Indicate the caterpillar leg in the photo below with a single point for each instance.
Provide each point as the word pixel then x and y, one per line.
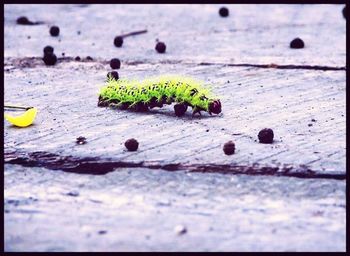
pixel 196 110
pixel 102 103
pixel 180 109
pixel 141 107
pixel 124 106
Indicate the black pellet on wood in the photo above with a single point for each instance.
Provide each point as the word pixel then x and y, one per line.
pixel 118 41
pixel 54 31
pixel 115 63
pixel 266 136
pixel 297 43
pixel 223 12
pixel 48 49
pixel 160 47
pixel 50 59
pixel 229 148
pixel 131 144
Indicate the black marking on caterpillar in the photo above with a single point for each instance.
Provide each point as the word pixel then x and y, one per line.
pixel 156 92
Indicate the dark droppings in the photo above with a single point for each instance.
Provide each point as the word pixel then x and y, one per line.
pixel 266 136
pixel 118 41
pixel 77 58
pixel 297 43
pixel 89 58
pixel 48 49
pixel 25 21
pixel 54 31
pixel 131 144
pixel 223 12
pixel 229 148
pixel 50 59
pixel 160 47
pixel 115 63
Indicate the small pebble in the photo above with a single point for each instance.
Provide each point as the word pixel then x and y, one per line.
pixel 29 37
pixel 63 54
pixel 102 232
pixel 160 47
pixel 229 148
pixel 50 59
pixel 118 41
pixel 115 63
pixel 48 49
pixel 78 32
pixel 77 58
pixel 73 193
pixel 223 12
pixel 81 140
pixel 265 136
pixel 131 144
pixel 113 74
pixel 180 230
pixel 54 31
pixel 297 43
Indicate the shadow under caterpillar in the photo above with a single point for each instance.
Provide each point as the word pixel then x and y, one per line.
pixel 155 92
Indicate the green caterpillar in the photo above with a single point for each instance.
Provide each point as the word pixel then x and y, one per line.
pixel 155 92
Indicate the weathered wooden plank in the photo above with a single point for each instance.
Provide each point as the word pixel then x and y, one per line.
pixel 257 34
pixel 284 100
pixel 138 210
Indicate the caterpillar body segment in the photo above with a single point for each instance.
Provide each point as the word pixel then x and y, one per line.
pixel 156 92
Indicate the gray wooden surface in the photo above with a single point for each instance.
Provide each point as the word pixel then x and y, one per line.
pixel 139 210
pixel 243 57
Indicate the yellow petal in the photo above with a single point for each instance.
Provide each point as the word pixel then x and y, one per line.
pixel 23 120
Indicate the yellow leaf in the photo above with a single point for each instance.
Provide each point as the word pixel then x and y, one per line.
pixel 23 120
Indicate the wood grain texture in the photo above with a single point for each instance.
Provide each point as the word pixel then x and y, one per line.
pixel 252 99
pixel 138 210
pixel 258 34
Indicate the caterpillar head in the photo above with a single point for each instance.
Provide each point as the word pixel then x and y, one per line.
pixel 214 107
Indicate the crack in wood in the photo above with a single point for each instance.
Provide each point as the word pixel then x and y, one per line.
pixel 99 166
pixel 30 62
pixel 272 65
